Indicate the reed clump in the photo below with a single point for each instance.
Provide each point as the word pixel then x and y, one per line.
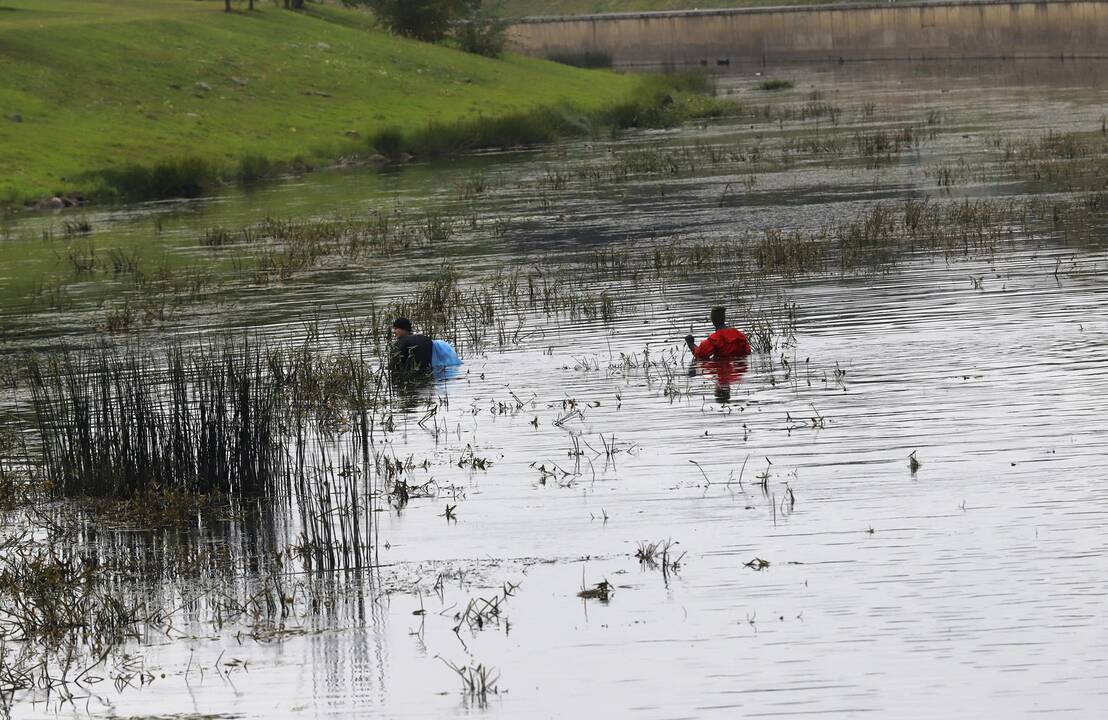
pixel 154 440
pixel 660 101
pixel 19 484
pixel 790 253
pixel 1075 160
pixel 660 554
pixel 478 680
pixel 157 507
pixel 184 177
pixel 115 424
pixel 494 310
pixel 61 614
pixel 814 144
pixel 879 146
pixel 771 84
pixel 54 598
pixel 588 59
pixel 813 109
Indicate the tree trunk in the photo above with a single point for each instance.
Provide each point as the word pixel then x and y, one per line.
pixel 251 7
pixel 226 5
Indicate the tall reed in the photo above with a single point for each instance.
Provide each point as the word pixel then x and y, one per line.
pixel 113 424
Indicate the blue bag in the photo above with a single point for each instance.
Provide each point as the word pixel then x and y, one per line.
pixel 443 355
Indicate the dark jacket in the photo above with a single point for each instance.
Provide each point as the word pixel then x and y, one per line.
pixel 411 353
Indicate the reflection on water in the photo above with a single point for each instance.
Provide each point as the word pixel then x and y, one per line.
pixel 725 373
pixel 821 573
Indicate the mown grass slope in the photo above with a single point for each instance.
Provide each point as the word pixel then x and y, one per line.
pixel 94 85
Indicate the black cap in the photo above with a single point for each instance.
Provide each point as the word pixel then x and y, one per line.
pixel 403 323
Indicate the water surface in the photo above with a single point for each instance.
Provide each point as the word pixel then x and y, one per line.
pixel 975 584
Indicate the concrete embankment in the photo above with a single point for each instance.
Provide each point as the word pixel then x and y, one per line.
pixel 973 29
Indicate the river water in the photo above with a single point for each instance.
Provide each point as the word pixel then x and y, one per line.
pixel 821 571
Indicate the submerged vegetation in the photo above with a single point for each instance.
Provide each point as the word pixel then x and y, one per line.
pixel 243 483
pixel 660 102
pixel 110 426
pixel 1074 161
pixel 775 84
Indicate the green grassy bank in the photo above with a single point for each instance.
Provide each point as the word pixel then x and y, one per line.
pixel 525 8
pixel 111 97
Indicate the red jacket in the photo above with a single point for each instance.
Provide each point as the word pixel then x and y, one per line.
pixel 725 343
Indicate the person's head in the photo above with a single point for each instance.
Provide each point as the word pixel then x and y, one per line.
pixel 719 316
pixel 401 327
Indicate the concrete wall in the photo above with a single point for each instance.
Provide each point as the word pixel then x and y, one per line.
pixel 887 31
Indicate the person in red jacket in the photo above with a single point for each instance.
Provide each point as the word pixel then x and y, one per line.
pixel 725 342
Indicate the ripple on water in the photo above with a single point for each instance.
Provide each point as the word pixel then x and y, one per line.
pixel 975 584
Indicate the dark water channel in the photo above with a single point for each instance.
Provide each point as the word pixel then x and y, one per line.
pixel 974 585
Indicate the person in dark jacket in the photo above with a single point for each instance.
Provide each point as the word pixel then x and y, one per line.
pixel 410 352
pixel 726 342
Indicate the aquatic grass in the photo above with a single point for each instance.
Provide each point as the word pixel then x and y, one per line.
pixel 814 144
pixel 757 564
pixel 473 186
pixel 156 507
pixel 119 318
pixel 790 253
pixel 61 615
pixel 659 101
pixel 913 463
pixel 654 555
pixel 57 599
pixel 254 169
pixel 601 591
pixel 217 237
pixel 113 424
pixel 436 229
pixel 184 177
pixel 481 612
pixel 334 498
pixel 443 139
pixel 772 84
pixel 653 161
pixel 879 146
pixel 20 484
pixel 281 250
pixel 81 257
pixel 73 592
pixel 587 59
pixel 769 328
pixel 476 312
pixel 478 680
pixel 195 429
pixel 814 109
pixel 1074 160
pixel 74 228
pixel 944 174
pixel 498 310
pixel 122 261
